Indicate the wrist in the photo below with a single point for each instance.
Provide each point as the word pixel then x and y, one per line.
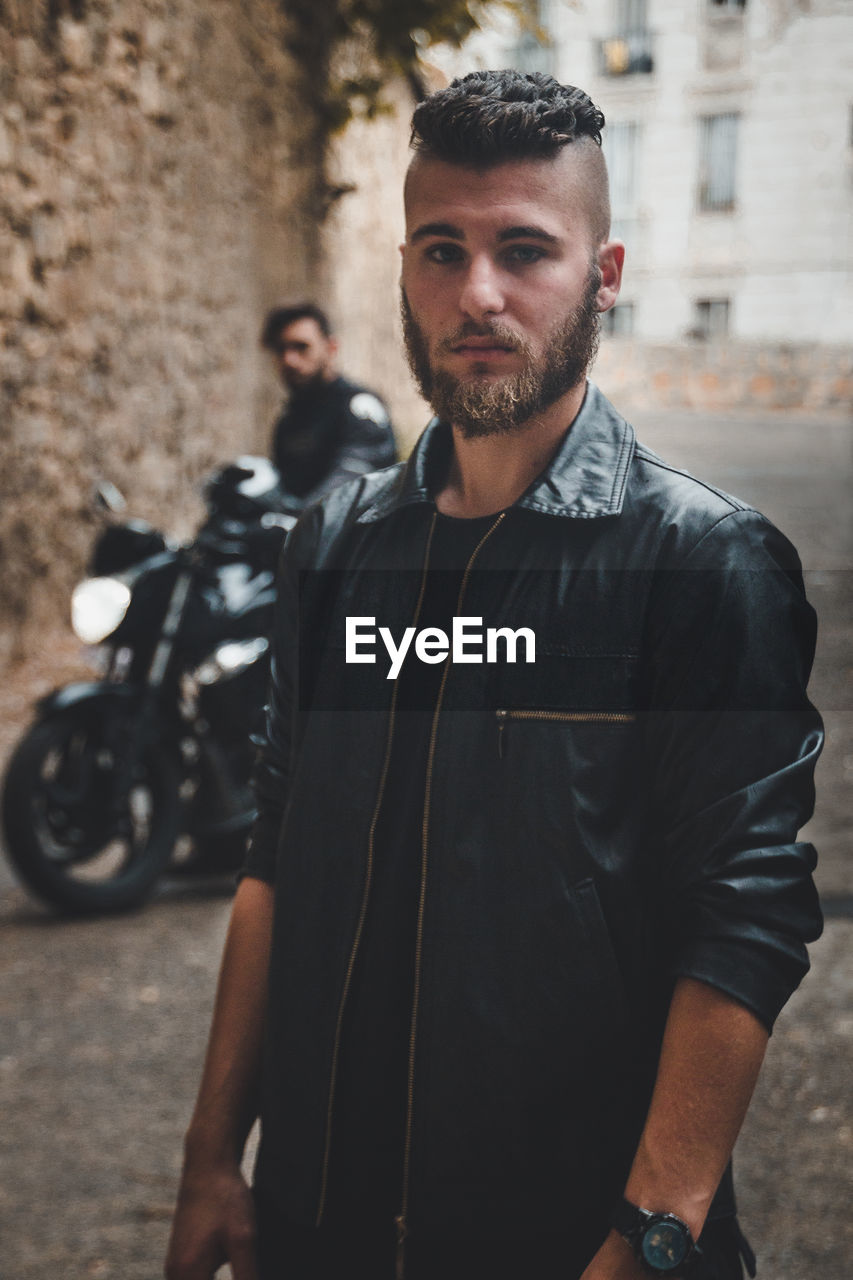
pixel 661 1241
pixel 205 1150
pixel 615 1260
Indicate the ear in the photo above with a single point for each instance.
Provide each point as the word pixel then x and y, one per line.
pixel 611 260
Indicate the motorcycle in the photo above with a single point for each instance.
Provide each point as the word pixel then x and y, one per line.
pixel 147 770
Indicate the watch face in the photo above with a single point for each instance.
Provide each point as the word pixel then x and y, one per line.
pixel 664 1246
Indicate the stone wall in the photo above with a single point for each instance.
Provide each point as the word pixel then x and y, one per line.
pixel 363 261
pixel 719 375
pixel 153 201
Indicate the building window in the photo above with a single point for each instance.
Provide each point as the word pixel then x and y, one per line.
pixel 620 144
pixel 732 6
pixel 620 151
pixel 629 50
pixel 618 322
pixel 712 318
pixel 717 161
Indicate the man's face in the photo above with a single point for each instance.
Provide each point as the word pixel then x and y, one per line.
pixel 502 284
pixel 303 355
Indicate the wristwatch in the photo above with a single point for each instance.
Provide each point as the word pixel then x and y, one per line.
pixel 661 1241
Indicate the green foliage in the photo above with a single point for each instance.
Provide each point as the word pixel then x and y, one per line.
pixel 390 35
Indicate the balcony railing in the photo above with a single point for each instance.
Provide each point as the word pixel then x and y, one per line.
pixel 625 55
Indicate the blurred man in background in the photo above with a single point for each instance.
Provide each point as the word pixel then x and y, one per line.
pixel 331 429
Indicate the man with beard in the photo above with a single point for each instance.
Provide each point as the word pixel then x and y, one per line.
pixel 512 934
pixel 331 429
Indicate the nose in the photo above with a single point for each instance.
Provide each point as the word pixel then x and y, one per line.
pixel 481 294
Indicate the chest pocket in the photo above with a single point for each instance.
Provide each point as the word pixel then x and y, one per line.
pixel 562 680
pixel 568 710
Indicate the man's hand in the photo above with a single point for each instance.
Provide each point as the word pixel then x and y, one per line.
pixel 215 1215
pixel 214 1224
pixel 615 1260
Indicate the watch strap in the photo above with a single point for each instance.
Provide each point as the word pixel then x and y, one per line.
pixel 632 1222
pixel 628 1219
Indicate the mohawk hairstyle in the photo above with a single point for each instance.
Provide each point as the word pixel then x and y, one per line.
pixel 487 117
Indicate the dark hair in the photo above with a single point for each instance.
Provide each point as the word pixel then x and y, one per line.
pixel 280 317
pixel 490 116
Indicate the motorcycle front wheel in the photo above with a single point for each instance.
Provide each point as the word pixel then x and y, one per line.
pixel 73 841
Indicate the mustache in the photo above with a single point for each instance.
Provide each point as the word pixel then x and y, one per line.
pixel 502 336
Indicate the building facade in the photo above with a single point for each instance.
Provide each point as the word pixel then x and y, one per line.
pixel 729 141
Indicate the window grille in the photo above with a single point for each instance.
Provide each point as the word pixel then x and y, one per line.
pixel 718 161
pixel 629 50
pixel 619 143
pixel 712 317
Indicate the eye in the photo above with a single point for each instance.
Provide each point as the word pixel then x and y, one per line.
pixel 444 253
pixel 524 254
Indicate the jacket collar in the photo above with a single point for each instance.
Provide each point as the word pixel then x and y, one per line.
pixel 585 479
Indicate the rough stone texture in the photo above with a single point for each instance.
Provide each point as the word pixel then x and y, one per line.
pixel 152 203
pixel 362 259
pixel 720 375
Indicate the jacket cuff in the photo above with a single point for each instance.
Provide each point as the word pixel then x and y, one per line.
pixel 748 974
pixel 261 855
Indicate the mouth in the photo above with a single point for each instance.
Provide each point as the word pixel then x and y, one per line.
pixel 481 349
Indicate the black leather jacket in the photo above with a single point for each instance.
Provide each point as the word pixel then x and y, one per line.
pixel 329 433
pixel 620 812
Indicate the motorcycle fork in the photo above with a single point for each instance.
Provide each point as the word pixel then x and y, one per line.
pixel 155 676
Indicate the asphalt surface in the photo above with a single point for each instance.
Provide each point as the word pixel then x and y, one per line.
pixel 102 1023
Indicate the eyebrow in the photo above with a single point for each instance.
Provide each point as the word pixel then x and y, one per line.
pixel 437 229
pixel 452 232
pixel 527 233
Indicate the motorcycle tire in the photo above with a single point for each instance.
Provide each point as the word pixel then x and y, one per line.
pixel 63 835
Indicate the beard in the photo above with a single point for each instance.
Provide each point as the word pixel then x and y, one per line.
pixel 485 406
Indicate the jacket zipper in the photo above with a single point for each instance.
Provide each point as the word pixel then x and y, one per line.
pixel 504 715
pixel 401 1221
pixel 368 880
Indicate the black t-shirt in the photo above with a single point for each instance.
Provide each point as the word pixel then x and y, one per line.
pixel 368 1125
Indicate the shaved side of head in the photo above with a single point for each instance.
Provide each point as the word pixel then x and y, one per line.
pixel 580 163
pixel 490 118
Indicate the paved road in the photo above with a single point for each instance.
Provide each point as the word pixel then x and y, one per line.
pixel 102 1023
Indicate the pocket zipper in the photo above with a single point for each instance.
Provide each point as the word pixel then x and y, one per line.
pixel 504 715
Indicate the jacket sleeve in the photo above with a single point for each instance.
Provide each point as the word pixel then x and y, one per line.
pixel 272 767
pixel 365 443
pixel 734 744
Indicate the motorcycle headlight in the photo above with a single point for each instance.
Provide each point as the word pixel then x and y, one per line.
pixel 230 659
pixel 98 605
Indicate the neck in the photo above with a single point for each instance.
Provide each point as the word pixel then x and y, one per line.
pixel 316 384
pixel 489 473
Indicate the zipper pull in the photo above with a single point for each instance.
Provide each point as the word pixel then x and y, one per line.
pixel 402 1232
pixel 502 717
